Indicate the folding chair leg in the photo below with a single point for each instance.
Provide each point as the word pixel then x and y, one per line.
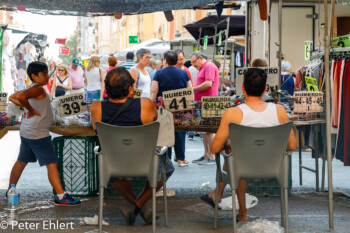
pixel 234 210
pixel 164 191
pixel 216 205
pixel 285 199
pixel 282 208
pixel 154 209
pixel 100 209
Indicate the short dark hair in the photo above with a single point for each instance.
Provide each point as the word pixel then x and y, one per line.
pixel 130 56
pixel 187 64
pixel 117 82
pixel 35 68
pixel 170 57
pixel 178 51
pixel 254 81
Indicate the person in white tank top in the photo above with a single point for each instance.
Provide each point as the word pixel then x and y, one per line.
pixel 255 113
pixel 140 74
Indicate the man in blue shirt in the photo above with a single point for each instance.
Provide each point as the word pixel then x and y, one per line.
pixel 287 80
pixel 129 61
pixel 168 79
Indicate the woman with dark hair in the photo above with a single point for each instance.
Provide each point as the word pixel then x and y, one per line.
pixel 112 63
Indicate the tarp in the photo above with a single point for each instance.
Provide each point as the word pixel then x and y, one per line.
pixel 105 7
pixel 236 27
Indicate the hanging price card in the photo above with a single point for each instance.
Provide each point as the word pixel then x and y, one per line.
pixel 308 102
pixel 137 93
pixel 71 105
pixel 214 106
pixel 178 100
pixel 3 98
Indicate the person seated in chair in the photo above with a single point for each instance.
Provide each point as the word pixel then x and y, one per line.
pixel 254 113
pixel 119 88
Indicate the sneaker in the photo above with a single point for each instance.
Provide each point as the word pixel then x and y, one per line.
pixel 182 163
pixel 67 200
pixel 207 161
pixel 190 137
pixel 198 160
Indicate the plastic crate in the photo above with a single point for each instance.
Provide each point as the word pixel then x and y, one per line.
pixel 137 184
pixel 77 165
pixel 268 187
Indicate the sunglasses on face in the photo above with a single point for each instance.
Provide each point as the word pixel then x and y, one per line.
pixel 60 70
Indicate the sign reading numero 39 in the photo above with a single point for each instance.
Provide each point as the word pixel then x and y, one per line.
pixel 71 105
pixel 178 100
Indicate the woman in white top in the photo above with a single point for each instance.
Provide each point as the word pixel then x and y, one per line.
pixel 95 81
pixel 62 83
pixel 140 74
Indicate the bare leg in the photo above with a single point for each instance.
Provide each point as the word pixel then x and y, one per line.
pixel 54 178
pixel 222 186
pixel 124 188
pixel 204 144
pixel 146 194
pixel 241 189
pixel 16 172
pixel 207 141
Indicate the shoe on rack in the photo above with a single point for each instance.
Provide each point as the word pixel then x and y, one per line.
pixel 207 161
pixel 190 137
pixel 67 200
pixel 198 160
pixel 182 163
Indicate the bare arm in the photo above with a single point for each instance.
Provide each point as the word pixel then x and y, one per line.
pixel 85 80
pixel 189 84
pixel 36 92
pixel 148 111
pixel 14 99
pixel 96 113
pixel 154 90
pixel 70 85
pixel 134 75
pixel 53 88
pixel 204 86
pixel 102 77
pixel 283 118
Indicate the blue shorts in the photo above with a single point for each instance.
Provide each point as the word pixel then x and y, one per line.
pixel 37 149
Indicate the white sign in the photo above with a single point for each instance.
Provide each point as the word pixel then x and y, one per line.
pixel 3 98
pixel 214 106
pixel 137 93
pixel 71 104
pixel 308 102
pixel 271 82
pixel 178 100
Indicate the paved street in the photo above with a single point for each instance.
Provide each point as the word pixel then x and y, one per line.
pixel 308 210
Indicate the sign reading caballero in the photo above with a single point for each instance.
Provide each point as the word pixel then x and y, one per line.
pixel 71 104
pixel 214 106
pixel 178 100
pixel 271 82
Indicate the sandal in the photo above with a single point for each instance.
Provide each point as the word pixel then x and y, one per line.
pixel 182 163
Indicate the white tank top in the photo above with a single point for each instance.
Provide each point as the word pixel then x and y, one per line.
pixel 266 118
pixel 65 83
pixel 144 83
pixel 93 79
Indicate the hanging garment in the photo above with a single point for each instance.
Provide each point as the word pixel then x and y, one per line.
pixel 335 94
pixel 346 113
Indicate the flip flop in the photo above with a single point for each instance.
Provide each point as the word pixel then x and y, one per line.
pixel 209 201
pixel 237 220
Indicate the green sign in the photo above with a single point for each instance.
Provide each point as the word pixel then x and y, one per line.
pixel 311 84
pixel 133 40
pixel 341 41
pixel 220 38
pixel 308 49
pixel 205 42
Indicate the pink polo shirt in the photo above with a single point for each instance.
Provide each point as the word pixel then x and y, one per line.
pixel 77 77
pixel 208 72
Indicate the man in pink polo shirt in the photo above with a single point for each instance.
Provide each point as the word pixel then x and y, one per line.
pixel 206 84
pixel 78 76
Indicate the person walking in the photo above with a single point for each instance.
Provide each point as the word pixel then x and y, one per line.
pixel 112 63
pixel 129 61
pixel 206 84
pixel 78 77
pixel 140 73
pixel 95 84
pixel 62 84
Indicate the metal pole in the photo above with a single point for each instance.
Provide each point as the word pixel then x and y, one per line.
pixel 225 52
pixel 279 53
pixel 246 34
pixel 328 115
pixel 214 38
pixel 232 69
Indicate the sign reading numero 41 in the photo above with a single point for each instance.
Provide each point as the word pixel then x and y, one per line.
pixel 215 106
pixel 308 101
pixel 178 100
pixel 71 105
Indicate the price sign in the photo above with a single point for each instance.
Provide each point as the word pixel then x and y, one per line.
pixel 71 105
pixel 308 102
pixel 311 84
pixel 271 82
pixel 3 98
pixel 178 100
pixel 214 106
pixel 137 93
pixel 308 47
pixel 341 41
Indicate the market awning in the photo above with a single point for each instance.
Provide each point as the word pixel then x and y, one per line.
pixel 102 7
pixel 236 27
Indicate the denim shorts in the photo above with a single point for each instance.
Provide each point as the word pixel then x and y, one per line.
pixel 41 149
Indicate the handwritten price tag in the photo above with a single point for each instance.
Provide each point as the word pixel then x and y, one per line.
pixel 308 102
pixel 137 93
pixel 3 98
pixel 71 105
pixel 178 100
pixel 215 106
